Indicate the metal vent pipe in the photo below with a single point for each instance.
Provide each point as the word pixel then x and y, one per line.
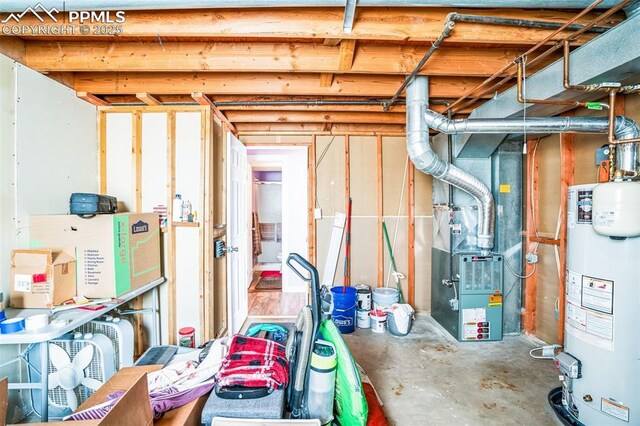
pixel 427 161
pixel 420 119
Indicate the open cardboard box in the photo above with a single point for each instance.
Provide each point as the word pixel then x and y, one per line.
pixel 132 409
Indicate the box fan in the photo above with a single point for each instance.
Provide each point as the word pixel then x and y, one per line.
pixel 78 365
pixel 120 332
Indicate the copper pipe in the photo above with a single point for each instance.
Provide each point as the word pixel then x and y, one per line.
pixel 541 43
pixel 565 78
pixel 618 142
pixel 612 115
pixel 522 100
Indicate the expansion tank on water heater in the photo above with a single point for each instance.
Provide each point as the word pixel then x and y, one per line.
pixel 602 309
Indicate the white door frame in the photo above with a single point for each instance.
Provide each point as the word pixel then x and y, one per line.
pixel 292 216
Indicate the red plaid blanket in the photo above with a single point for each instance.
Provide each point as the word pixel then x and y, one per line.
pixel 253 362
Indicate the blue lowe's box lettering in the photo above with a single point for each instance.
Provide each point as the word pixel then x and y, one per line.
pixel 115 253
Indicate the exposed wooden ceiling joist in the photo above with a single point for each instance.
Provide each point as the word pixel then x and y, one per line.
pixel 261 84
pixel 245 128
pixel 314 117
pixel 92 99
pixel 380 23
pixel 148 99
pixel 187 99
pixel 203 99
pixel 263 57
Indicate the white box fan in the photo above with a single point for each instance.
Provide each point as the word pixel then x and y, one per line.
pixel 78 365
pixel 120 331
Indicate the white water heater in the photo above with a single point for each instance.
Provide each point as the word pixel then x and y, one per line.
pixel 601 362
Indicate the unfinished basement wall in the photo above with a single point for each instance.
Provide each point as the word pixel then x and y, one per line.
pixel 363 183
pixel 48 149
pixel 549 176
pixel 182 152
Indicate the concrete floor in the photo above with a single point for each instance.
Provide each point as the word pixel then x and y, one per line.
pixel 428 378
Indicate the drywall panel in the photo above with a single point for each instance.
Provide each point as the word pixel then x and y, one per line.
pixel 48 150
pixel 423 244
pixel 547 158
pixel 362 175
pixel 188 253
pixel 423 187
pixel 56 148
pixel 119 159
pixel 364 251
pixel 548 278
pixel 330 174
pixel 394 164
pixel 154 160
pixel 8 230
pixel 154 193
pixel 188 304
pixel 399 243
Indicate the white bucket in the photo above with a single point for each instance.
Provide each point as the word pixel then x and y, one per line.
pixel 363 319
pixel 378 321
pixel 364 297
pixel 383 297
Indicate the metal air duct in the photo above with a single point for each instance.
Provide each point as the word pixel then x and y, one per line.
pixel 420 119
pixel 428 161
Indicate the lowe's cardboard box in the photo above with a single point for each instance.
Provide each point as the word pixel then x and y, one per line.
pixel 41 278
pixel 115 253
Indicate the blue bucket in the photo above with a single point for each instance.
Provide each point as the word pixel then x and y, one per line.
pixel 345 302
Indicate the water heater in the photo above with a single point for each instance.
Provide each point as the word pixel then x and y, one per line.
pixel 600 365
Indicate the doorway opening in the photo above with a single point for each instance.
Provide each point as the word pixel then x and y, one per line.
pixel 278 216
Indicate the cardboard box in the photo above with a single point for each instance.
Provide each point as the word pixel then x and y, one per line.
pixel 115 253
pixel 131 409
pixel 41 278
pixel 187 415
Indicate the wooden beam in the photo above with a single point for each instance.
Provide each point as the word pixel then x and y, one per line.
pixel 262 84
pixel 380 205
pixel 331 41
pixel 314 117
pixel 14 48
pixel 312 200
pixel 171 234
pixel 347 52
pixel 411 231
pixel 543 240
pixel 82 56
pixel 326 79
pixel 188 100
pixel 102 151
pixel 566 180
pixel 136 192
pixel 402 24
pixel 531 283
pixel 311 128
pixel 347 196
pixel 203 99
pixel 148 99
pixel 92 99
pixel 208 222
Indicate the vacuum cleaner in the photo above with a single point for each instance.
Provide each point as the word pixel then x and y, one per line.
pixel 302 340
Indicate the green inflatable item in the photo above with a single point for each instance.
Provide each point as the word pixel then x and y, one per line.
pixel 350 406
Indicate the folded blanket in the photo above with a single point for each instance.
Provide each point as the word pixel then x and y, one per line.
pixel 253 362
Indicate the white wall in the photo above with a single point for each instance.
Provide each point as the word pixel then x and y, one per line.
pixel 48 149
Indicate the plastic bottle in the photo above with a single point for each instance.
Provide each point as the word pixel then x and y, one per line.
pixel 322 380
pixel 186 211
pixel 177 209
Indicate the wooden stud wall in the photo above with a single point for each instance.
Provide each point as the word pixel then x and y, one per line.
pixel 531 284
pixel 206 232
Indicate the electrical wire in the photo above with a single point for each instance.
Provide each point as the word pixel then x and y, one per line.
pixel 324 152
pixel 533 271
pixel 541 349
